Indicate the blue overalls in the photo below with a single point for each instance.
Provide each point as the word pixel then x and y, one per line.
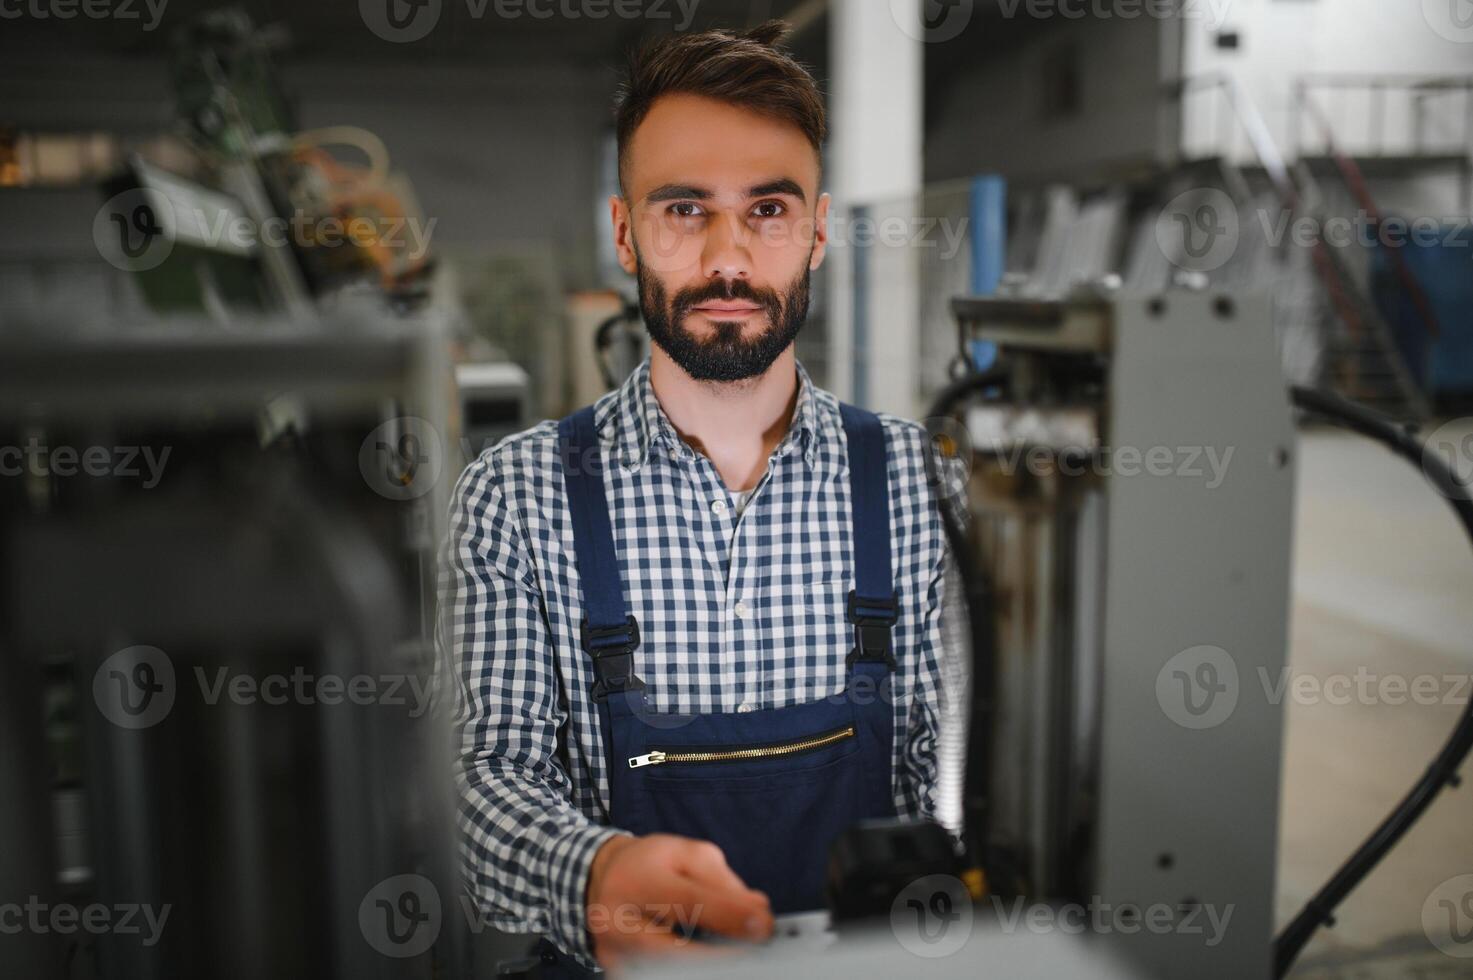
pixel 772 787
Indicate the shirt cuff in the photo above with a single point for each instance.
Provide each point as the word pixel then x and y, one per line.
pixel 570 859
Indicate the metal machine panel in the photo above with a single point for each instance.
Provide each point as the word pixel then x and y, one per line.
pixel 1196 582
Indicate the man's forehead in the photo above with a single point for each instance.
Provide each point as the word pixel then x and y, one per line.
pixel 725 149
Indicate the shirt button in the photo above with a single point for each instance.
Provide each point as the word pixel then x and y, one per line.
pixel 745 707
pixel 718 506
pixel 740 608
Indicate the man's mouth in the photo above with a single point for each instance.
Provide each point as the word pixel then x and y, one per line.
pixel 727 309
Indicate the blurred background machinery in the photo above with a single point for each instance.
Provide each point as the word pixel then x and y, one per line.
pixel 1311 134
pixel 202 194
pixel 286 537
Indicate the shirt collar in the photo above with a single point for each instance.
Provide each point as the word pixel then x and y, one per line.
pixel 630 417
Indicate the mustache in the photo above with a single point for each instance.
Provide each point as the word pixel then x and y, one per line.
pixel 726 289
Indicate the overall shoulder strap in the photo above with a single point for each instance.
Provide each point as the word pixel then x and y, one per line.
pixel 872 604
pixel 609 632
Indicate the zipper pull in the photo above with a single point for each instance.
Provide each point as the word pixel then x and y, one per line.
pixel 652 759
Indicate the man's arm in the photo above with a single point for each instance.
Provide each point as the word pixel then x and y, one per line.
pixel 526 850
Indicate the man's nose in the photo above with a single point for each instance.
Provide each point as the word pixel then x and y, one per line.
pixel 726 255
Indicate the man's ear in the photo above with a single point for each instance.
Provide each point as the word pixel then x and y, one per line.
pixel 820 232
pixel 623 233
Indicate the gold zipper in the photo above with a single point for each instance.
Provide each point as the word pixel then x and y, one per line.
pixel 657 757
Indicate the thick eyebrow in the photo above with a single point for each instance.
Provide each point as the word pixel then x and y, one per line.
pixel 677 192
pixel 782 185
pixel 689 192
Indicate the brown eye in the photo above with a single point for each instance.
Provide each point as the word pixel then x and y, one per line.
pixel 768 209
pixel 684 209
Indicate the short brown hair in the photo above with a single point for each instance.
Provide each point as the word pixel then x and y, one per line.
pixel 745 69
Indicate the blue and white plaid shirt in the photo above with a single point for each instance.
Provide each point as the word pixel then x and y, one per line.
pixel 736 611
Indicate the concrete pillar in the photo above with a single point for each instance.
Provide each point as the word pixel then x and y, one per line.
pixel 874 165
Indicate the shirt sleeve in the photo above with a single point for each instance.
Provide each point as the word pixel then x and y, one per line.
pixel 932 759
pixel 525 848
pixel 919 770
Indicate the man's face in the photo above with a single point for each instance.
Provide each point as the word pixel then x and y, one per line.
pixel 722 222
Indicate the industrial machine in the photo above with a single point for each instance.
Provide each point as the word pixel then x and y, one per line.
pixel 1132 481
pixel 1132 484
pixel 216 656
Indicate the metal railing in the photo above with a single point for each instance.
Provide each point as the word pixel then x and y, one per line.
pixel 1438 110
pixel 1380 98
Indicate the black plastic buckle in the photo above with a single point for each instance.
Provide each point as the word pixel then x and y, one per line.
pixel 872 621
pixel 612 650
pixel 601 641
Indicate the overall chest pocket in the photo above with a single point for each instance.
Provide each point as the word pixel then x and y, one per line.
pixel 774 808
pixel 729 764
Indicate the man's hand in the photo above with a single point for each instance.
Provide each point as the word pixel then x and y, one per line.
pixel 641 888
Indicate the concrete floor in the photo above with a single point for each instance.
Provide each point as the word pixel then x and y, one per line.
pixel 1384 580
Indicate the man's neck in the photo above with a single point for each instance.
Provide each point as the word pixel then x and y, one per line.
pixel 735 424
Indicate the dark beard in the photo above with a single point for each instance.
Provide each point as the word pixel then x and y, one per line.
pixel 726 356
